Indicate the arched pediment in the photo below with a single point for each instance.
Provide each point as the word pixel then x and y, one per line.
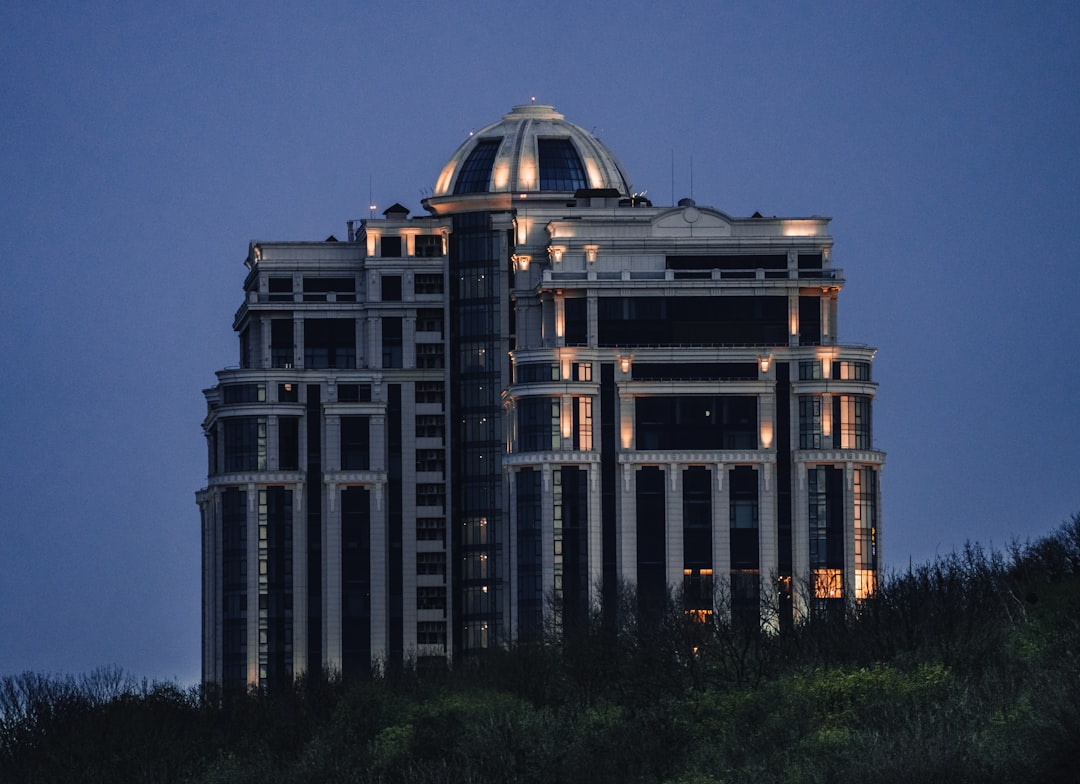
pixel 689 220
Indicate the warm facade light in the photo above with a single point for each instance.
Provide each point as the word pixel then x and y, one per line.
pixel 766 434
pixel 555 252
pixel 523 225
pixel 590 252
pixel 521 262
pixel 763 362
pixel 624 364
pixel 501 176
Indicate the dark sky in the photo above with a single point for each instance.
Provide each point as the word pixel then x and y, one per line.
pixel 142 146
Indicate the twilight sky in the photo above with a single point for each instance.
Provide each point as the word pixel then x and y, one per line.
pixel 143 146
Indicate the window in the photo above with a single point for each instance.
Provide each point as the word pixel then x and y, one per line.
pixel 429 392
pixel 696 422
pixel 429 246
pixel 391 247
pixel 825 490
pixel 576 320
pixel 431 494
pixel 431 632
pixel 430 426
pixel 809 369
pixel 692 320
pixel 288 393
pixel 289 443
pixel 431 563
pixel 430 598
pixel 355 452
pixel 430 460
pixel 828 584
pixel 428 284
pixel 354 393
pixel 429 355
pixel 538 424
pixel 244 393
pixel 865 495
pixel 281 343
pixel 809 422
pixel 560 166
pixel 583 423
pixel 529 372
pixel 851 415
pixel 391 342
pixel 329 343
pixel 475 173
pixel 280 289
pixel 429 320
pixel 391 288
pixel 743 517
pixel 431 529
pixel 851 371
pixel 245 444
pixel 317 289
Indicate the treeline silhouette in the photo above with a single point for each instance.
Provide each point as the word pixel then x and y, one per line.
pixel 966 669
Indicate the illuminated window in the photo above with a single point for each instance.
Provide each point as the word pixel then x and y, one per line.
pixel 583 424
pixel 851 371
pixel 865 583
pixel 865 508
pixel 852 412
pixel 828 584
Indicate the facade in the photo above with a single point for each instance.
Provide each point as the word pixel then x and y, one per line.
pixel 459 429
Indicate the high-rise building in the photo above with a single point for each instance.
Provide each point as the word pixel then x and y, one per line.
pixel 454 430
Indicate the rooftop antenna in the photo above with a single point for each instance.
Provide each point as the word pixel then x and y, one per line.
pixel 371 197
pixel 673 175
pixel 691 176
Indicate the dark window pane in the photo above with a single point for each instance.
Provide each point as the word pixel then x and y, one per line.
pixel 475 173
pixel 560 166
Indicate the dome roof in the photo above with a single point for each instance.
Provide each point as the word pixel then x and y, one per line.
pixel 530 150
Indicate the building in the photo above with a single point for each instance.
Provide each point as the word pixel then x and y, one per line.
pixel 454 430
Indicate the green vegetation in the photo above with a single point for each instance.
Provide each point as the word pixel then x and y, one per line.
pixel 963 670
